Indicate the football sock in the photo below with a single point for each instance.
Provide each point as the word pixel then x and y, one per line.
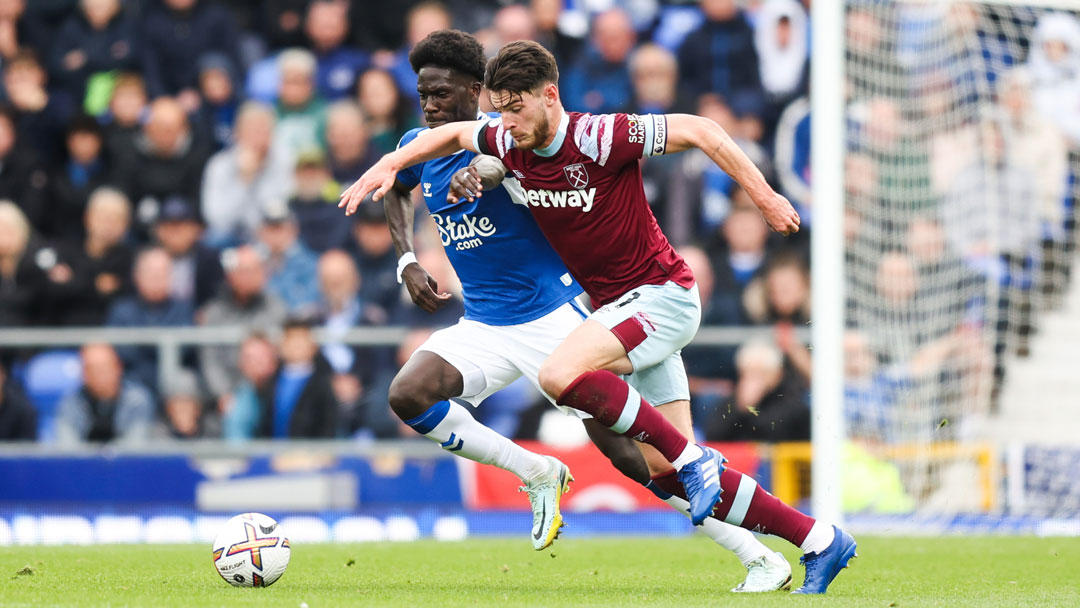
pixel 615 404
pixel 741 542
pixel 818 539
pixel 746 504
pixel 453 427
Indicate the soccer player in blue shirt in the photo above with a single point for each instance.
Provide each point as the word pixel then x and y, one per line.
pixel 520 303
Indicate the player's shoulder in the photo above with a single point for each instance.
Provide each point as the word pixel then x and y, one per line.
pixel 411 134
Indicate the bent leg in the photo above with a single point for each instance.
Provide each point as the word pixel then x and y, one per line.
pixel 581 374
pixel 420 395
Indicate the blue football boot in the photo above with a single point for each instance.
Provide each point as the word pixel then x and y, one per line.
pixel 701 480
pixel 822 567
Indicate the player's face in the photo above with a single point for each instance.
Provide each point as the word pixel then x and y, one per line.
pixel 525 116
pixel 446 96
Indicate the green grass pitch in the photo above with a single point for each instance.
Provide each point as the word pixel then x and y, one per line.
pixel 890 572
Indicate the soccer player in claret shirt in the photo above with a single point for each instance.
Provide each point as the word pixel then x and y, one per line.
pixel 581 179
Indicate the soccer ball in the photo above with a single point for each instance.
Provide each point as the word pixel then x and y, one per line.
pixel 251 550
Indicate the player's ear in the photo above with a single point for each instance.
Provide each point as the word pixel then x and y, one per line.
pixel 474 90
pixel 551 94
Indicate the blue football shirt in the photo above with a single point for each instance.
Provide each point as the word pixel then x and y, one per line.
pixel 509 273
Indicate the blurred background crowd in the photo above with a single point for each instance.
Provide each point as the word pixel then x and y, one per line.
pixel 173 163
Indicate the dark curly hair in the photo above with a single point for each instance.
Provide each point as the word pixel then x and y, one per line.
pixel 451 49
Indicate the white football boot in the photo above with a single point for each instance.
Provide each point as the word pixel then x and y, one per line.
pixel 769 572
pixel 544 496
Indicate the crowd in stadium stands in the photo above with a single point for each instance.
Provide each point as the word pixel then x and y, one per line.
pixel 964 197
pixel 170 163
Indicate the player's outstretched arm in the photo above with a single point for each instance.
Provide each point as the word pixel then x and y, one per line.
pixel 483 173
pixel 686 131
pixel 423 289
pixel 437 142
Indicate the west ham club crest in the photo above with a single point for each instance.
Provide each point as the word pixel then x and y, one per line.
pixel 576 175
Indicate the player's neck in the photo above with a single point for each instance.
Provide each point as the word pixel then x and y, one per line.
pixel 554 119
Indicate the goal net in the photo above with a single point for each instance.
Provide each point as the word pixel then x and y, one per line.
pixel 963 120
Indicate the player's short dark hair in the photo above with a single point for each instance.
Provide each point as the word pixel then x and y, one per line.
pixel 451 49
pixel 520 67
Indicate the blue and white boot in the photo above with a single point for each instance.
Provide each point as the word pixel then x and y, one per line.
pixel 701 480
pixel 822 567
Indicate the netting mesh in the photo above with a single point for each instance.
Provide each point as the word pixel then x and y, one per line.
pixel 959 217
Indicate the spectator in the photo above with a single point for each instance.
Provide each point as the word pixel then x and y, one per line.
pixel 91 272
pixel 243 180
pixel 166 160
pixel 546 14
pixel 654 75
pixel 282 22
pixel 151 306
pixel 23 283
pixel 719 57
pixel 361 375
pixel 109 407
pixel 186 415
pixel 20 29
pixel 782 294
pixel 347 142
pixel 742 259
pixel 301 112
pixel 219 101
pixel 177 33
pixel 327 27
pixel 389 113
pixel 242 409
pixel 196 268
pixel 376 258
pixel 314 203
pixel 1054 65
pixel 343 307
pixel 244 302
pixel 770 399
pixel 85 170
pixel 422 19
pixel 289 264
pixel 18 418
pixel 41 115
pixel 100 38
pixel 302 401
pixel 22 178
pixel 123 122
pixel 510 23
pixel 599 81
pixel 780 38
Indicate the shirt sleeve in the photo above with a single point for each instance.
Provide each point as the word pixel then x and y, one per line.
pixel 492 139
pixel 410 176
pixel 613 140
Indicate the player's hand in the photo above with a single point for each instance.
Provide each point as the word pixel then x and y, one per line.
pixel 423 289
pixel 379 178
pixel 778 213
pixel 466 185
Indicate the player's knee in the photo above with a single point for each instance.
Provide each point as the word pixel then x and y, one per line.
pixel 554 377
pixel 407 397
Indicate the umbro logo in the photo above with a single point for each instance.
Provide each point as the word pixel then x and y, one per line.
pixel 519 174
